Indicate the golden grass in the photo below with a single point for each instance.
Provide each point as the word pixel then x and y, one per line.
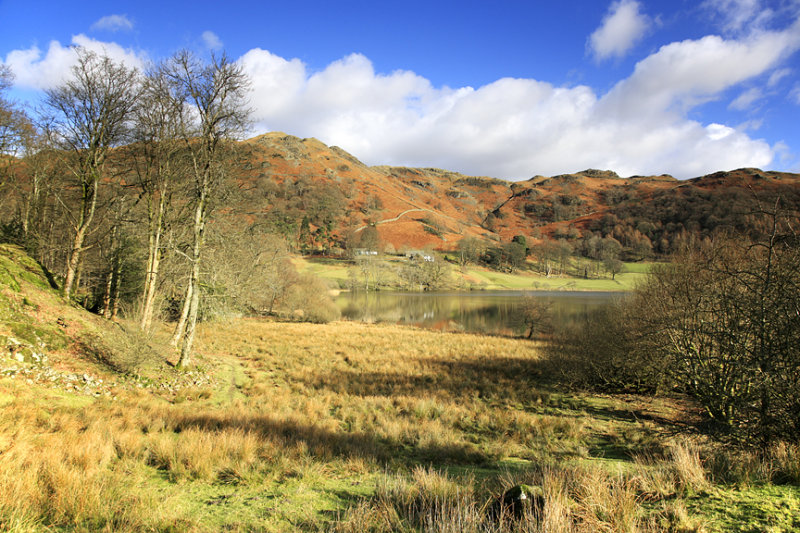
pixel 340 427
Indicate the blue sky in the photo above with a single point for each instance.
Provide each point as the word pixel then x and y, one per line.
pixel 509 89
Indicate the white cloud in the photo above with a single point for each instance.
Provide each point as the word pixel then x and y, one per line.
pixel 777 76
pixel 516 128
pixel 738 15
pixel 684 74
pixel 510 128
pixel 622 27
pixel 746 99
pixel 794 95
pixel 113 23
pixel 211 40
pixel 36 71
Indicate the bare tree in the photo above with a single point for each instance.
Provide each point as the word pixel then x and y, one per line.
pixel 159 161
pixel 14 122
pixel 15 131
pixel 534 314
pixel 214 95
pixel 725 315
pixel 89 114
pixel 469 251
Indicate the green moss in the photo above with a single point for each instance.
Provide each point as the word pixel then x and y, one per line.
pixel 50 336
pixel 763 508
pixel 16 266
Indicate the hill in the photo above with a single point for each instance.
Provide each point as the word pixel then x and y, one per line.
pixel 289 179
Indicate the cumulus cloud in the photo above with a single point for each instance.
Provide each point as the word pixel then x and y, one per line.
pixel 516 128
pixel 622 27
pixel 510 128
pixel 211 40
pixel 113 23
pixel 684 74
pixel 37 70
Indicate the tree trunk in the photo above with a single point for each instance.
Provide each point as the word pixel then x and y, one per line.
pixel 74 261
pixel 87 214
pixel 191 325
pixel 153 262
pixel 117 284
pixel 179 328
pixel 107 292
pixel 194 282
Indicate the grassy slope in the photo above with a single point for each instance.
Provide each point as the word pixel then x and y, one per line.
pixel 303 425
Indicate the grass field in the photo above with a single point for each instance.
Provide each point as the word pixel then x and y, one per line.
pixel 477 278
pixel 353 427
pixel 343 427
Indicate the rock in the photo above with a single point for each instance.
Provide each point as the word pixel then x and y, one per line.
pixel 22 352
pixel 516 502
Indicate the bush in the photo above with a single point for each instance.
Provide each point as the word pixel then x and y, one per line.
pixel 123 350
pixel 310 301
pixel 602 351
pixel 720 321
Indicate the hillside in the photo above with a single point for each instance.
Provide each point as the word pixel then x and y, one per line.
pixel 48 342
pixel 288 178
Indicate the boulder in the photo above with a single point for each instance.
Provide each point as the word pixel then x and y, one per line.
pixel 516 502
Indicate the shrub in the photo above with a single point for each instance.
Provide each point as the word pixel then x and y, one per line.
pixel 310 301
pixel 720 321
pixel 124 350
pixel 602 351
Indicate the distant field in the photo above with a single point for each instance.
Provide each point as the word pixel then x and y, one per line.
pixel 477 278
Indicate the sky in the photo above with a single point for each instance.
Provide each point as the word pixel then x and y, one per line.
pixel 508 89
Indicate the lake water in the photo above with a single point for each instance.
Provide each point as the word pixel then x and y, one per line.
pixel 490 312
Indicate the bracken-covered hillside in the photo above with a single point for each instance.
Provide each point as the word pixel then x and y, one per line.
pixel 289 179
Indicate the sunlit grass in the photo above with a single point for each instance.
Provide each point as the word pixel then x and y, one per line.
pixel 480 278
pixel 354 427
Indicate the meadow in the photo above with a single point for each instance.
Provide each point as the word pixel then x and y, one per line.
pixel 338 273
pixel 355 427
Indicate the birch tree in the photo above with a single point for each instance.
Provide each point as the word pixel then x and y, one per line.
pixel 15 131
pixel 159 162
pixel 213 96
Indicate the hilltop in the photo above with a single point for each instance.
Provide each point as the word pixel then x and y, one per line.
pixel 429 207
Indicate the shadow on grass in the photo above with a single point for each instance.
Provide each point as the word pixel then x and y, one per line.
pixel 325 444
pixel 687 421
pixel 497 377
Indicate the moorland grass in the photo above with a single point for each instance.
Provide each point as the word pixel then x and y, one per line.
pixel 354 427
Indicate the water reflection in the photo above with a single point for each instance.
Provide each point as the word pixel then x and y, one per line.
pixel 476 312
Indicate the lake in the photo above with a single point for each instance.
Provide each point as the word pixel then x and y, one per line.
pixel 490 312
